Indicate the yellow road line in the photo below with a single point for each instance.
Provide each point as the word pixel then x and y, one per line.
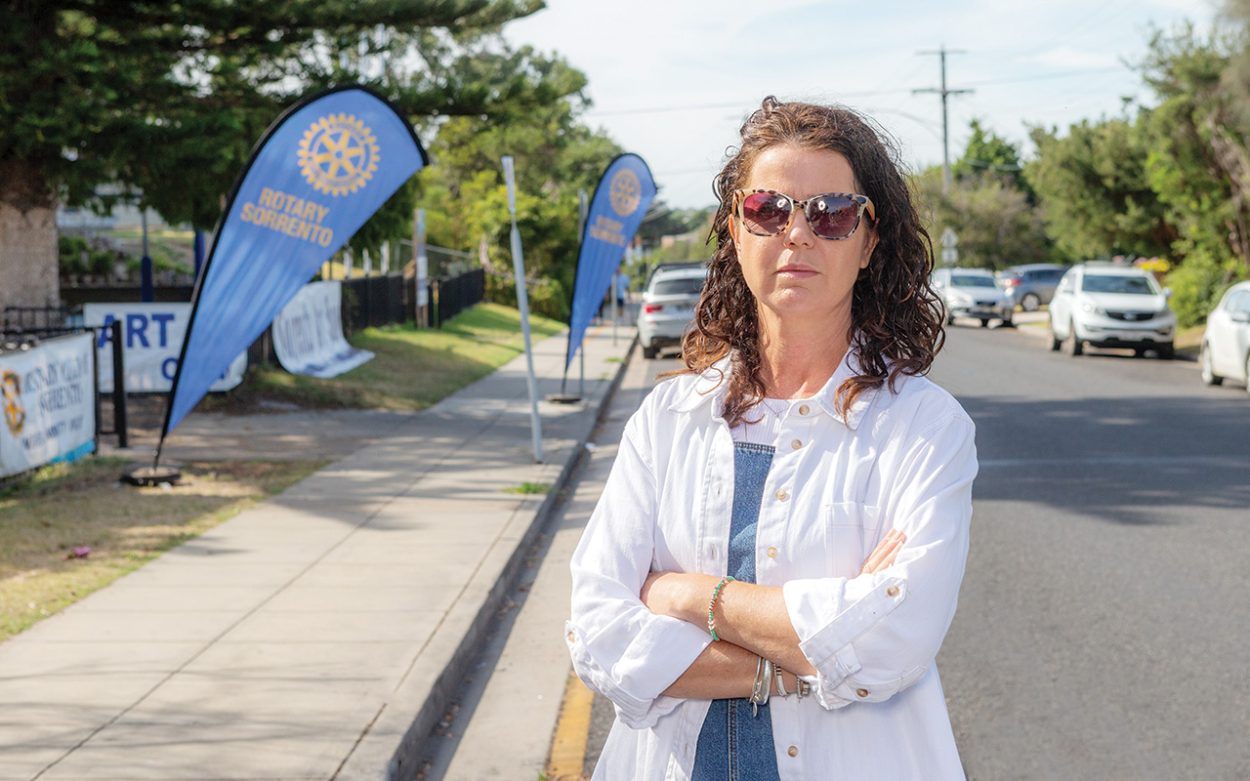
pixel 568 745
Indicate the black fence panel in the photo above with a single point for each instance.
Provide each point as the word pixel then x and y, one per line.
pixel 450 297
pixel 373 301
pixel 28 319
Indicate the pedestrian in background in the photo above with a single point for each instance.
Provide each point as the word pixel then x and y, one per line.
pixel 766 581
pixel 622 293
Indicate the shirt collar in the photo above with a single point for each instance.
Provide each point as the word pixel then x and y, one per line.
pixel 711 387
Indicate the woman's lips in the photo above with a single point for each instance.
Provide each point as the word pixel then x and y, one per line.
pixel 796 271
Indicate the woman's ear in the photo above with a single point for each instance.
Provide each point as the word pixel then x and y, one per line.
pixel 870 244
pixel 733 229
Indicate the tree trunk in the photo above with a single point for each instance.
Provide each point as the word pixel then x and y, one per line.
pixel 28 251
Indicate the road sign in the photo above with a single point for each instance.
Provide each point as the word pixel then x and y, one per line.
pixel 950 255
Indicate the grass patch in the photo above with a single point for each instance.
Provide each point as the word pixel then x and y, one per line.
pixel 412 368
pixel 44 516
pixel 528 488
pixel 1188 341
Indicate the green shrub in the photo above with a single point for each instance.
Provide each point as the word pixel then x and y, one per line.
pixel 1197 285
pixel 70 251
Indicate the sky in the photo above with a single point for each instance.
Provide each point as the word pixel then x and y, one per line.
pixel 673 79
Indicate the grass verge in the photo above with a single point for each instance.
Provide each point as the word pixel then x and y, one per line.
pixel 412 368
pixel 45 516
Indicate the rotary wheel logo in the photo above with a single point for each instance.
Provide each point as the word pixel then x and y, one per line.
pixel 338 154
pixel 625 192
pixel 14 412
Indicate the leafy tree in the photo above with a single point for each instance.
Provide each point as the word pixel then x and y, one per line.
pixel 1095 193
pixel 556 157
pixel 996 225
pixel 167 99
pixel 989 154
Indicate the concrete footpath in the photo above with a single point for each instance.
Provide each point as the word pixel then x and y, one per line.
pixel 318 635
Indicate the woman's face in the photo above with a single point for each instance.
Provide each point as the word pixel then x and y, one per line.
pixel 796 275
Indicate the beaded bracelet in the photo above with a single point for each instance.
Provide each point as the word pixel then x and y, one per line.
pixel 711 605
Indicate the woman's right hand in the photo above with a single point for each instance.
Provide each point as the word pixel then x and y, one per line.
pixel 883 555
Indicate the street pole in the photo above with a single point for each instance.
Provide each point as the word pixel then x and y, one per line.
pixel 941 52
pixel 522 300
pixel 583 210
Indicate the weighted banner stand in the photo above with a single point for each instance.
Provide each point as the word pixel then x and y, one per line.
pixel 562 397
pixel 347 123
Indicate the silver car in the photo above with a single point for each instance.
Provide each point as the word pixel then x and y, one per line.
pixel 971 292
pixel 668 307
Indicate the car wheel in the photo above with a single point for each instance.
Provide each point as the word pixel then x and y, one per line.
pixel 650 353
pixel 1166 352
pixel 985 322
pixel 1030 302
pixel 1072 345
pixel 1008 322
pixel 1209 376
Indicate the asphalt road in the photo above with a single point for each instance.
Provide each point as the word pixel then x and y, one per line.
pixel 1103 630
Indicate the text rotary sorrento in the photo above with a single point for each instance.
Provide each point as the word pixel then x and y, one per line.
pixel 285 213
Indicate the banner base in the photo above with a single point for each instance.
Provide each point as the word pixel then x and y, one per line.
pixel 146 476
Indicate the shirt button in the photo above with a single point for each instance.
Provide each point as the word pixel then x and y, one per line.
pixel 804 409
pixel 793 751
pixel 796 443
pixel 892 591
pixel 571 637
pixel 772 552
pixel 862 692
pixel 782 495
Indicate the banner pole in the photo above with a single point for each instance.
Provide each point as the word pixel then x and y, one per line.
pixel 518 267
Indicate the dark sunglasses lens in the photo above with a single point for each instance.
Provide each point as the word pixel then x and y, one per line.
pixel 833 216
pixel 766 214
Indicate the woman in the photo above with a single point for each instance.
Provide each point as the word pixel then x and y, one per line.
pixel 776 556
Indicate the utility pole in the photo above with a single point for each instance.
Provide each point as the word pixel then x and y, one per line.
pixel 941 52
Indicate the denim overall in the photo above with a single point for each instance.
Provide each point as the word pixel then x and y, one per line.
pixel 734 745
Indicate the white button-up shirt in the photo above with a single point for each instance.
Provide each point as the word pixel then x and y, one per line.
pixel 901 458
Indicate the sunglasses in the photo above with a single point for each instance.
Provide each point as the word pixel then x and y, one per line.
pixel 833 216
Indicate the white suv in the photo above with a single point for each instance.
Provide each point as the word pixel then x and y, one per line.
pixel 668 305
pixel 1102 305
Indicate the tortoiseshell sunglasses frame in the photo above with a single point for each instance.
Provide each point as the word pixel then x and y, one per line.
pixel 862 201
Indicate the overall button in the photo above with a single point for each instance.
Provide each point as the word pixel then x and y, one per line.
pixel 772 552
pixel 796 443
pixel 892 591
pixel 571 637
pixel 793 751
pixel 861 692
pixel 782 495
pixel 804 409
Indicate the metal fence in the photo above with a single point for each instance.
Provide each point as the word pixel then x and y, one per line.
pixel 450 297
pixel 375 301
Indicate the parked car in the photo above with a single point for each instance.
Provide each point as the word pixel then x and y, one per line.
pixel 1102 305
pixel 971 292
pixel 1226 340
pixel 668 306
pixel 1031 286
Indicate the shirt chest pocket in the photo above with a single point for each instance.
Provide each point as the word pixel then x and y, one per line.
pixel 852 530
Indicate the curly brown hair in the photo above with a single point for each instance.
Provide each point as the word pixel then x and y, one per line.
pixel 894 311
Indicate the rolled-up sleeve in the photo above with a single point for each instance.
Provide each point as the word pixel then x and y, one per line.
pixel 871 636
pixel 618 646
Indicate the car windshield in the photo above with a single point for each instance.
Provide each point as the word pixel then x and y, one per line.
pixel 681 286
pixel 971 280
pixel 1117 283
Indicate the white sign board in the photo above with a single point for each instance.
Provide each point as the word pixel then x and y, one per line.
pixel 48 404
pixel 308 333
pixel 152 337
